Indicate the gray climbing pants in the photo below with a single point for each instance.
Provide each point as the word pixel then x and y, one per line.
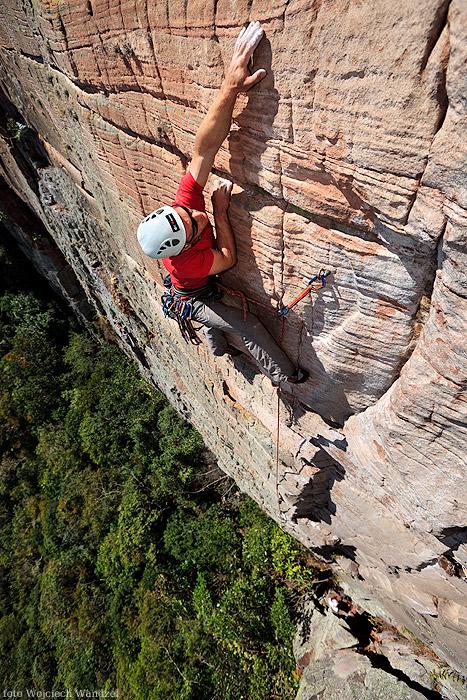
pixel 218 318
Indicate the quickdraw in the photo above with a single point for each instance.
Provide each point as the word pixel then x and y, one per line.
pixel 321 276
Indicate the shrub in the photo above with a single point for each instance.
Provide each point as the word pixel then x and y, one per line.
pixel 204 540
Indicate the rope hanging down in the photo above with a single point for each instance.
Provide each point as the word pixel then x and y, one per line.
pixel 283 312
pixel 278 496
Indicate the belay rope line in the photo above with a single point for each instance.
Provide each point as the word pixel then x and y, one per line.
pixel 283 313
pixel 278 496
pixel 180 307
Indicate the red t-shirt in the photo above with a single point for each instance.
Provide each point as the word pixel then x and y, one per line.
pixel 190 269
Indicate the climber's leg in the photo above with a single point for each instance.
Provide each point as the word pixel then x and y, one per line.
pixel 216 340
pixel 258 341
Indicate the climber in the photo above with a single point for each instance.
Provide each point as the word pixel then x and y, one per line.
pixel 182 236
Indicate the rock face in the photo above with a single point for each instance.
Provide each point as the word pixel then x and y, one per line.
pixel 350 155
pixel 336 659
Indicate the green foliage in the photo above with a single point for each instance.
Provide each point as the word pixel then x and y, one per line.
pixel 205 539
pixel 117 571
pixel 202 600
pixel 257 533
pixel 239 615
pixel 30 362
pixel 437 675
pixel 280 617
pixel 133 527
pixel 16 129
pixel 288 560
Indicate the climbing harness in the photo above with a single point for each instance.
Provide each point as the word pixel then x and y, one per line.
pixel 180 305
pixel 321 276
pixel 181 310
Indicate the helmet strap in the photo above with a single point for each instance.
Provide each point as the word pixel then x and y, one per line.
pixel 194 223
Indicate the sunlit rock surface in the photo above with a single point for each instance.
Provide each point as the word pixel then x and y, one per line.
pixel 351 156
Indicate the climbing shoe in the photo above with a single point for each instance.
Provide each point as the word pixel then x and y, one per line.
pixel 299 376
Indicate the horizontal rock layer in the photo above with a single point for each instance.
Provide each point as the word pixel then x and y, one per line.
pixel 349 155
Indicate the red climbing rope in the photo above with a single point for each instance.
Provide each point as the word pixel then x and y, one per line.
pixel 245 299
pixel 283 312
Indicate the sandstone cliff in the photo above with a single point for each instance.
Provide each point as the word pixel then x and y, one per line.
pixel 349 155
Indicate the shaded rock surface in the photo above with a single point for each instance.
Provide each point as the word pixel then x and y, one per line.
pixel 349 155
pixel 351 676
pixel 339 655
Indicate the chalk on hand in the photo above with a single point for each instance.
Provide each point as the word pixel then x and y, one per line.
pixel 250 36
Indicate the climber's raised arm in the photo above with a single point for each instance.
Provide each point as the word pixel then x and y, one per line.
pixel 216 124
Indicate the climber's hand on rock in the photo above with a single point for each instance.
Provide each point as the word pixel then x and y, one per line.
pixel 238 77
pixel 215 126
pixel 221 195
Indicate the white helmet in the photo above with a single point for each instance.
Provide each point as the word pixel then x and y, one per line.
pixel 162 233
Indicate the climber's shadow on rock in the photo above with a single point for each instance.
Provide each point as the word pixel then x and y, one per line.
pixel 315 502
pixel 247 145
pixel 326 392
pixel 320 392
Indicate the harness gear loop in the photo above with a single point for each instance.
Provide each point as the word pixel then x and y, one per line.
pixel 178 304
pixel 181 311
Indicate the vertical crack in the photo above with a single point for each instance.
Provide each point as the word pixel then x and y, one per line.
pixel 285 10
pixel 440 20
pixel 172 140
pixel 282 257
pixel 68 52
pixel 441 93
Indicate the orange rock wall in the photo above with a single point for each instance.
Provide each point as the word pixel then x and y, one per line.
pixel 349 155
